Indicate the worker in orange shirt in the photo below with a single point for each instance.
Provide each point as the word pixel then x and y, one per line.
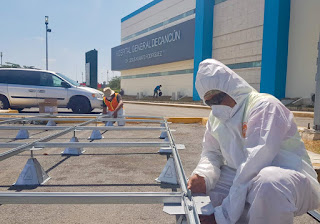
pixel 114 103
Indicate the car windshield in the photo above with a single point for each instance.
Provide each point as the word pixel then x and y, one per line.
pixel 69 80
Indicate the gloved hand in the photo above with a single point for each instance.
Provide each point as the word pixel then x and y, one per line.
pixel 207 219
pixel 197 184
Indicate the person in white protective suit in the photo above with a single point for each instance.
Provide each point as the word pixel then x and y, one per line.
pixel 254 165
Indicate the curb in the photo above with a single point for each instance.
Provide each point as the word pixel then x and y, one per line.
pixel 9 111
pixel 170 105
pixel 303 114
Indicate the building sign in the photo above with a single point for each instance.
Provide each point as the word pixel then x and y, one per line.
pixel 169 45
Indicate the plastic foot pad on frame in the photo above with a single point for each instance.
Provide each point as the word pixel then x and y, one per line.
pixel 72 151
pixel 168 174
pixel 51 123
pixel 95 135
pixel 22 134
pixel 32 174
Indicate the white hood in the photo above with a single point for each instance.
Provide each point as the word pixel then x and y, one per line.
pixel 212 74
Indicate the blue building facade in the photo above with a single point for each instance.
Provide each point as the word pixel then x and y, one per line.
pixel 250 37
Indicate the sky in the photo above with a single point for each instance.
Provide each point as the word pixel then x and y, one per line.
pixel 77 26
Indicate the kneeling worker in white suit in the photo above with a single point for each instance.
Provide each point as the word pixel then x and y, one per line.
pixel 114 103
pixel 254 165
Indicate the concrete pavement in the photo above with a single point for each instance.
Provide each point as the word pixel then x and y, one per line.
pixel 106 170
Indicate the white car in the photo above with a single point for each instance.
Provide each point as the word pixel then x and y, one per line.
pixel 25 88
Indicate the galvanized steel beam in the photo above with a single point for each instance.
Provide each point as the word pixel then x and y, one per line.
pixel 190 206
pixel 85 144
pixel 109 128
pixel 89 198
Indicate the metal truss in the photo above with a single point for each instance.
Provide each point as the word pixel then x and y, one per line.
pixel 182 204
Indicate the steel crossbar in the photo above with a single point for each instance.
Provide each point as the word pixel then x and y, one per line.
pixel 82 117
pixel 13 120
pixel 314 214
pixel 86 144
pixel 74 115
pixel 89 198
pixel 109 128
pixel 9 120
pixel 98 119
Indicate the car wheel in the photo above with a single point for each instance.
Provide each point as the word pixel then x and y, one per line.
pixel 4 103
pixel 80 105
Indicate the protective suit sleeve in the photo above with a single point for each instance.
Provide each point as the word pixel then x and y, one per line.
pixel 210 161
pixel 268 125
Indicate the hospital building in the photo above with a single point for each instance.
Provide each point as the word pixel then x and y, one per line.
pixel 272 44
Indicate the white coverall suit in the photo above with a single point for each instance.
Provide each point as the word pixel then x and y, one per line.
pixel 254 163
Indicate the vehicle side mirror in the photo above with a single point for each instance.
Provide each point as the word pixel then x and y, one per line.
pixel 65 85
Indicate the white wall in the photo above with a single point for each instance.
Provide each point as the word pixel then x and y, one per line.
pixel 238 34
pixel 303 48
pixel 251 75
pixel 171 83
pixel 156 14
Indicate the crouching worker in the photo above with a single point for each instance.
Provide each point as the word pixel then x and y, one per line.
pixel 254 165
pixel 114 103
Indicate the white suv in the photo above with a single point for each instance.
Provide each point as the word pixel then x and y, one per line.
pixel 25 88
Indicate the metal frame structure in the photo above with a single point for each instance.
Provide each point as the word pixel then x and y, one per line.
pixel 182 204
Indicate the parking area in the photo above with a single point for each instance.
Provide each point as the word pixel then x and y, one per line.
pixel 100 170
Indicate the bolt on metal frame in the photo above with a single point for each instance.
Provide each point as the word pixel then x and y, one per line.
pixel 184 197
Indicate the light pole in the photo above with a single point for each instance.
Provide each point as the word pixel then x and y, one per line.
pixel 47 30
pixel 316 118
pixel 1 57
pixel 107 77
